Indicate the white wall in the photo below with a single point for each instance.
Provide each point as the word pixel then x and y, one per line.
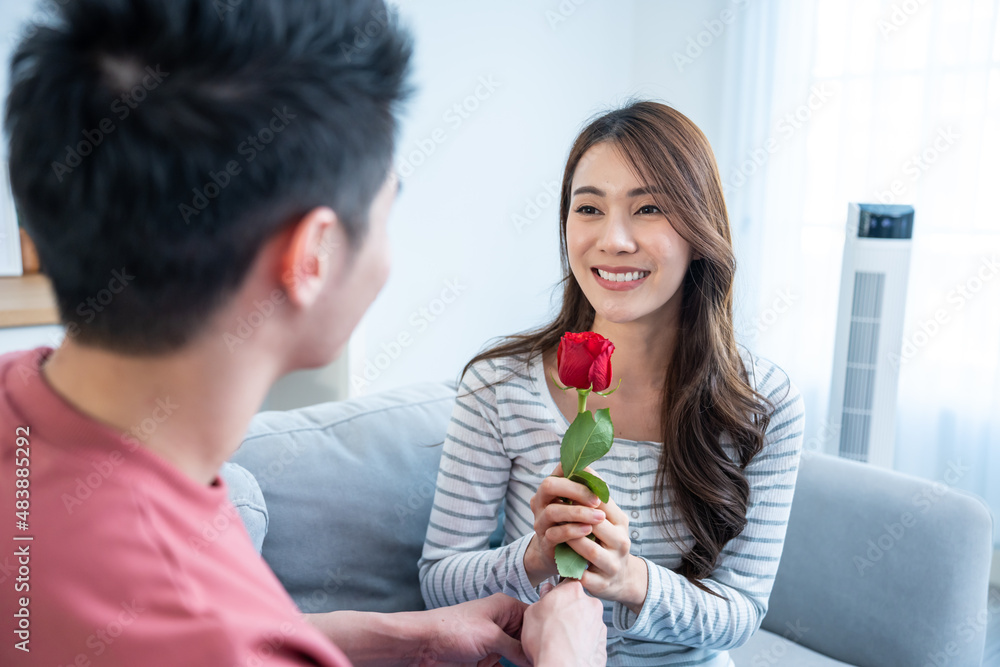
pixel 554 65
pixel 13 16
pixel 478 210
pixel 680 61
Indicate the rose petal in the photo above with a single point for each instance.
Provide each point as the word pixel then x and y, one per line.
pixel 584 360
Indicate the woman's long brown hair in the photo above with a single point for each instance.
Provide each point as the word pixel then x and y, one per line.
pixel 706 392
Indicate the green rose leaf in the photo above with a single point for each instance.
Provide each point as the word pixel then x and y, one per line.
pixel 569 563
pixel 594 483
pixel 587 439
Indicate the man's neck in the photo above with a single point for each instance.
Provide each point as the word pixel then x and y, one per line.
pixel 191 408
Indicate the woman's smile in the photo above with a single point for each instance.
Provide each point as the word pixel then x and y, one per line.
pixel 619 279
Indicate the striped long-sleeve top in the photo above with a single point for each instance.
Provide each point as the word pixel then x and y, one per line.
pixel 503 440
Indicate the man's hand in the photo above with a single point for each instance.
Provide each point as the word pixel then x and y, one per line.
pixel 566 627
pixel 477 632
pixel 472 633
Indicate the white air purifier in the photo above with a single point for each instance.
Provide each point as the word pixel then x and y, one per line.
pixel 869 338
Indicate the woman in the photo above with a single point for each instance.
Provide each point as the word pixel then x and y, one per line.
pixel 707 437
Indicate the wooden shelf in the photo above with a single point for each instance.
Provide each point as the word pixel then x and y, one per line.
pixel 27 301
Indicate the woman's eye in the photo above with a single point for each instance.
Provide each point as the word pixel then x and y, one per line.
pixel 587 210
pixel 649 210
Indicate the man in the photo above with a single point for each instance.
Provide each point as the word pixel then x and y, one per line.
pixel 178 163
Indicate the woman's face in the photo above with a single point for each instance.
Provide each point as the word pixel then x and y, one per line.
pixel 623 251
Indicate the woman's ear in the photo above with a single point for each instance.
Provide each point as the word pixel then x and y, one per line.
pixel 315 248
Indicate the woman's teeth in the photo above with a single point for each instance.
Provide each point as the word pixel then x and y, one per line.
pixel 622 277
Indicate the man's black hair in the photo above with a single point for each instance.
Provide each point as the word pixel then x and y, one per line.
pixel 156 145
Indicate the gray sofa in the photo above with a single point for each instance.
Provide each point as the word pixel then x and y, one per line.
pixel 879 569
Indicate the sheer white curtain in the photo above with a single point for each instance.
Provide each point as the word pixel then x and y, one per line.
pixel 832 101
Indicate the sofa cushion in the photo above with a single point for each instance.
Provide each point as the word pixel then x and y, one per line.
pixel 248 499
pixel 886 570
pixel 766 649
pixel 348 488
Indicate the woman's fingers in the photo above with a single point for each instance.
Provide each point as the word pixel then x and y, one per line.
pixel 615 514
pixel 566 511
pixel 578 517
pixel 568 531
pixel 559 523
pixel 613 538
pixel 553 488
pixel 595 554
pixel 561 513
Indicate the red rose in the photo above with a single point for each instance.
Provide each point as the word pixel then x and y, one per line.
pixel 584 360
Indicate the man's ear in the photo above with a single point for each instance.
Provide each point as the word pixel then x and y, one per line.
pixel 315 248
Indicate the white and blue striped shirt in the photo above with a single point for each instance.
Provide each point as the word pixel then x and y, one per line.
pixel 504 440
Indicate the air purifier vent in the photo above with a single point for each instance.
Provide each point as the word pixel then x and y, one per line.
pixel 862 357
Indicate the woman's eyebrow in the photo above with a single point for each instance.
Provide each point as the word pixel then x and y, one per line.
pixel 591 190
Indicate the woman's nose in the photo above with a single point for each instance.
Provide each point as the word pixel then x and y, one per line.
pixel 616 237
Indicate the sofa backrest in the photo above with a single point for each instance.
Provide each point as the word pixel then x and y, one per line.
pixel 348 488
pixel 881 569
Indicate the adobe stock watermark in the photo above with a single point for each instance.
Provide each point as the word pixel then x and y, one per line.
pixel 550 193
pixel 223 7
pixel 562 12
pixel 248 149
pixel 248 324
pixel 102 638
pixel 927 329
pixel 319 599
pixel 209 531
pixel 442 647
pixel 141 433
pixel 697 44
pixel 88 310
pixel 254 320
pixel 970 629
pixel 86 485
pixel 363 35
pixel 90 307
pixel 273 641
pixel 780 305
pixel 819 442
pixel 7 569
pixel 122 108
pixel 898 16
pixel 775 653
pixel 418 498
pixel 535 206
pixel 454 117
pixel 792 122
pixel 896 531
pixel 420 321
pixel 43 13
pixel 279 461
pixel 918 164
